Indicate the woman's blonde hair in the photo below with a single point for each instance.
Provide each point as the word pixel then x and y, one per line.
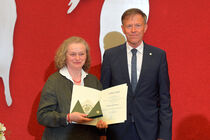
pixel 60 57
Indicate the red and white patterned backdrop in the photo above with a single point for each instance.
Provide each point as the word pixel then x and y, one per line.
pixel 181 27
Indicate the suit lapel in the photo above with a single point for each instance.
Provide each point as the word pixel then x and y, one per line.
pixel 124 63
pixel 145 65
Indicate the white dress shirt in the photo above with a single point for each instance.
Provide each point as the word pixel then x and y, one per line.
pixel 64 71
pixel 139 56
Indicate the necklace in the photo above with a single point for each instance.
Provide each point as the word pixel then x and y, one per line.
pixel 77 81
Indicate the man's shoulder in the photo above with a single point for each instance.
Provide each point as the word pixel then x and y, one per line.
pixel 116 49
pixel 153 48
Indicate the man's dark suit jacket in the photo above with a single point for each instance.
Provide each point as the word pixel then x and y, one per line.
pixel 55 105
pixel 150 105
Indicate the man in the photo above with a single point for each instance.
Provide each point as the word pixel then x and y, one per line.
pixel 145 70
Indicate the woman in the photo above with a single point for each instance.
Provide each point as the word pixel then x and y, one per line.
pixel 72 60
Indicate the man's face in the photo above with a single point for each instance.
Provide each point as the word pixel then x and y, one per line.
pixel 134 28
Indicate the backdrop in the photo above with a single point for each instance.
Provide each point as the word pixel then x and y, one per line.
pixel 181 27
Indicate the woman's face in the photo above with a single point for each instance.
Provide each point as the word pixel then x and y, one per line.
pixel 76 56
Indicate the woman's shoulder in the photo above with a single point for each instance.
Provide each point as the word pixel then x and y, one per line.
pixel 92 81
pixel 56 77
pixel 91 76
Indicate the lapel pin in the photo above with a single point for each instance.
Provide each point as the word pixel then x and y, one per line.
pixel 150 53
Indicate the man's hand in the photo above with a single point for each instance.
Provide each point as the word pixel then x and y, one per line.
pixel 102 137
pixel 101 124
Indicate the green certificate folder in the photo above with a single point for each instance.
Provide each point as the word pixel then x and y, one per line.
pixel 95 112
pixel 78 108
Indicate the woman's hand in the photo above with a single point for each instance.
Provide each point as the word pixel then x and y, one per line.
pixel 101 124
pixel 79 117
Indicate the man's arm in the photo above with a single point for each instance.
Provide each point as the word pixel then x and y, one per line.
pixel 106 71
pixel 165 110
